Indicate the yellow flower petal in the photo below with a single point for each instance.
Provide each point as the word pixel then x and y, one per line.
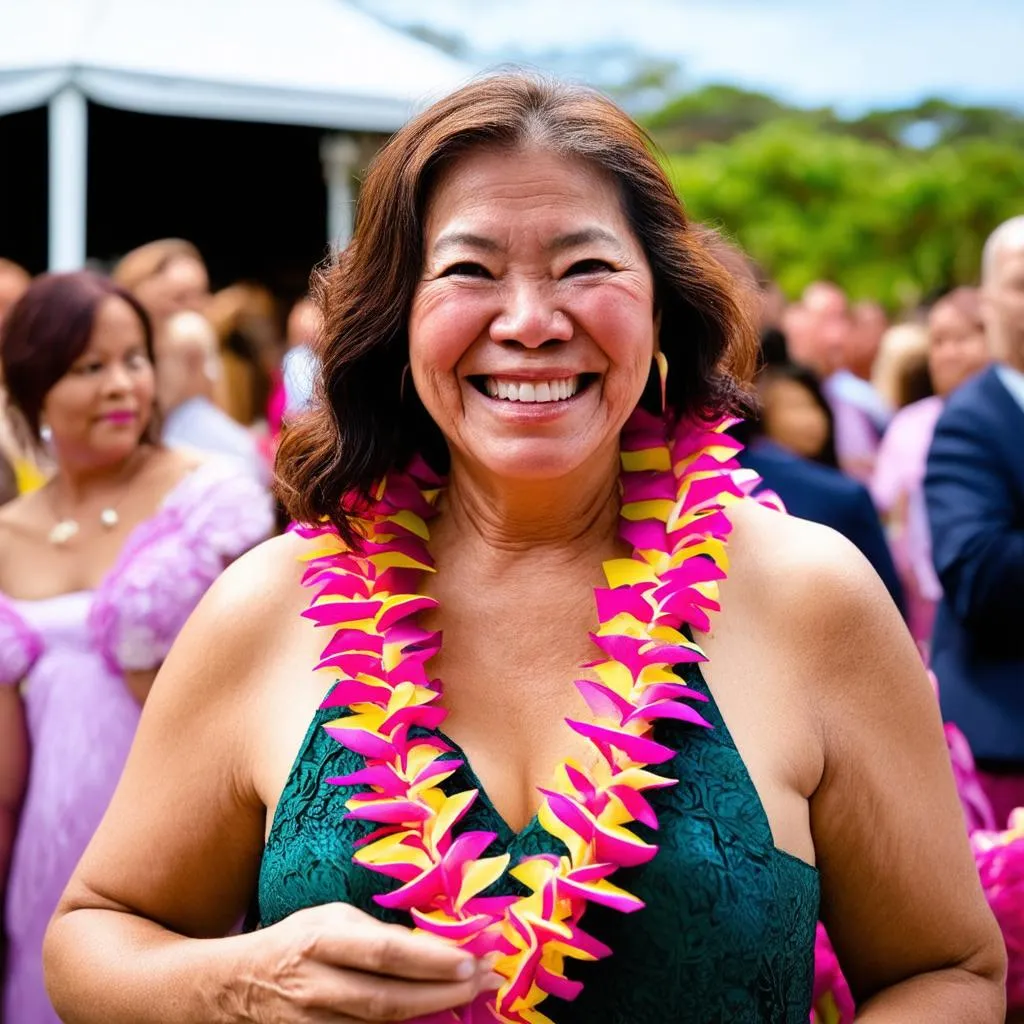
pixel 647 458
pixel 479 874
pixel 627 571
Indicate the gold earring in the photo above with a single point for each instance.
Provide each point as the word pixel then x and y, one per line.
pixel 661 362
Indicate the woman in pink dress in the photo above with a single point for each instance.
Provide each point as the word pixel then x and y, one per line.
pixel 956 350
pixel 98 571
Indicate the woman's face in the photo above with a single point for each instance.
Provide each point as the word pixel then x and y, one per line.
pixel 532 329
pixel 181 285
pixel 957 348
pixel 792 417
pixel 99 410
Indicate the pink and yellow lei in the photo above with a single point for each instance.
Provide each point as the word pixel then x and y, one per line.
pixel 676 482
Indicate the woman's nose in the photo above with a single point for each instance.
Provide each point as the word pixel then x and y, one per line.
pixel 530 317
pixel 117 378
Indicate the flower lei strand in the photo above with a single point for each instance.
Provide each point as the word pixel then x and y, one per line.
pixel 676 480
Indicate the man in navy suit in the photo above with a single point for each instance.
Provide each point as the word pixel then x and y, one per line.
pixel 823 495
pixel 974 489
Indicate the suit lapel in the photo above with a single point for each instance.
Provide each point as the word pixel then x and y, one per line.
pixel 1007 419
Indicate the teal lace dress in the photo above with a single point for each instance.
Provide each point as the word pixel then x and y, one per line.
pixel 728 931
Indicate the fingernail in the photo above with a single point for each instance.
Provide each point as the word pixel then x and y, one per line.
pixel 488 962
pixel 466 969
pixel 492 982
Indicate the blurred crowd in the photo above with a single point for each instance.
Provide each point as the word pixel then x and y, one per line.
pixel 145 441
pixel 231 362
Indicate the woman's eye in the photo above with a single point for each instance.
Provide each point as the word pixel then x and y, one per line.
pixel 466 270
pixel 87 368
pixel 137 361
pixel 591 266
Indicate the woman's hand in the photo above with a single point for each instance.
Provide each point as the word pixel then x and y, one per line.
pixel 335 964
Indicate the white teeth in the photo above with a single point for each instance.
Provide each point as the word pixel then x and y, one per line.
pixel 557 390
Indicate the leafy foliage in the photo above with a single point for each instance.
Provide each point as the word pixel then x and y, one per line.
pixel 811 196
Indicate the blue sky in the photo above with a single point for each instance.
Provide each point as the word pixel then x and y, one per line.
pixel 851 54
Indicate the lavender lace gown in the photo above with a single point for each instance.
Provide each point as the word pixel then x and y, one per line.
pixel 68 653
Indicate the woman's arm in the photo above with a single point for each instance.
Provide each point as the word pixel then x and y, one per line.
pixel 138 936
pixel 900 892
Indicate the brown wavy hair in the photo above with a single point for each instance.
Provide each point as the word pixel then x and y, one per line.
pixel 364 423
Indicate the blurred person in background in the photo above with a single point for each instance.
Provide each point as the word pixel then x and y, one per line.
pixel 300 365
pixel 794 412
pixel 14 280
pixel 246 318
pixel 868 324
pixel 98 571
pixel 19 473
pixel 166 276
pixel 900 373
pixel 818 331
pixel 957 350
pixel 974 489
pixel 791 447
pixel 188 370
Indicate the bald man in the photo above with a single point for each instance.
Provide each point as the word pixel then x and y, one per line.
pixel 188 368
pixel 974 489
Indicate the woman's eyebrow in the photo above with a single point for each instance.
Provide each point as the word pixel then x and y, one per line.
pixel 464 240
pixel 568 240
pixel 584 236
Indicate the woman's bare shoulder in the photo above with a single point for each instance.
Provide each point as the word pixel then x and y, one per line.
pixel 805 582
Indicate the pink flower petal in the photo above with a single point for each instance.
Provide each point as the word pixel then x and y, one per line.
pixel 558 985
pixel 637 748
pixel 350 691
pixel 643 534
pixel 360 741
pixel 636 804
pixel 603 701
pixel 386 810
pixel 668 709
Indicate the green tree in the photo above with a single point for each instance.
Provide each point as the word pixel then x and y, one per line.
pixel 887 222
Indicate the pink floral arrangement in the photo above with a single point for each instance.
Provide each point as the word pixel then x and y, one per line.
pixel 1000 859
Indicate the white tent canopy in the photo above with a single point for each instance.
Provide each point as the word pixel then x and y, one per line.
pixel 320 63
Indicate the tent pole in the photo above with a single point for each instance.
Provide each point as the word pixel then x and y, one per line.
pixel 339 156
pixel 68 178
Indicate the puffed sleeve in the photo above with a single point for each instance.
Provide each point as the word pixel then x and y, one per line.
pixel 171 560
pixel 20 645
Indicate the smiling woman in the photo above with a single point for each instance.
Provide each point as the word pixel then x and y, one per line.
pixel 659 698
